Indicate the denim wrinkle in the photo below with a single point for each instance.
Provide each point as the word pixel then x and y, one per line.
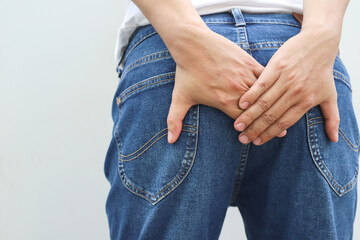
pixel 300 186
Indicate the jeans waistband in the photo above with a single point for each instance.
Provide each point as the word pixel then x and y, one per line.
pixel 233 16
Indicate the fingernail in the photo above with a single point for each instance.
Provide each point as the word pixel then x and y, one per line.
pixel 244 105
pixel 244 139
pixel 337 136
pixel 169 136
pixel 257 141
pixel 240 126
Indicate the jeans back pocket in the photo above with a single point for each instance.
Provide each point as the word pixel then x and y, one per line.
pixel 337 162
pixel 149 166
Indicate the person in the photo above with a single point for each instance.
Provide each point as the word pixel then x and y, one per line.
pixel 225 103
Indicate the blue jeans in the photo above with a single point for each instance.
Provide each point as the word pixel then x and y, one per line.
pixel 301 186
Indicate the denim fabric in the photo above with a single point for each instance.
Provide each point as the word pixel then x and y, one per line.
pixel 301 186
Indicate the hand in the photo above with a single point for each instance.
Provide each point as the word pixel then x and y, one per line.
pixel 297 77
pixel 211 70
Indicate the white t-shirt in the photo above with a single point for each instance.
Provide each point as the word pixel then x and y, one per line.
pixel 134 17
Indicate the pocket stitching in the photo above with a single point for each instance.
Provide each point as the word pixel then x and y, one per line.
pixel 146 59
pixel 168 79
pixel 347 140
pixel 342 79
pixel 128 160
pixel 138 42
pixel 121 98
pixel 340 191
pixel 191 151
pixel 351 145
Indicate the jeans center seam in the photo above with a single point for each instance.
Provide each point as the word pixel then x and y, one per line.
pixel 240 172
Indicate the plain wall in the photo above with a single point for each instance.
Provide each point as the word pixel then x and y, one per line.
pixel 57 80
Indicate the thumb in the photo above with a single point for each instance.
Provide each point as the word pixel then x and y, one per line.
pixel 178 109
pixel 330 111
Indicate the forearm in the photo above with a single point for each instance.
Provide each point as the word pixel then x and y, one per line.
pixel 176 21
pixel 324 15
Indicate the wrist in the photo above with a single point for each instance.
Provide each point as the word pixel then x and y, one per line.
pixel 322 28
pixel 321 34
pixel 321 42
pixel 185 38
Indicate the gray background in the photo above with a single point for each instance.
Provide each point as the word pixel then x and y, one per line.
pixel 57 80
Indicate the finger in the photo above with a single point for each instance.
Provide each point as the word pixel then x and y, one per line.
pixel 263 103
pixel 268 118
pixel 268 76
pixel 249 81
pixel 282 134
pixel 288 119
pixel 330 111
pixel 232 112
pixel 258 69
pixel 178 109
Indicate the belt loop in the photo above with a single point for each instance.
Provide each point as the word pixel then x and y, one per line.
pixel 238 16
pixel 240 26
